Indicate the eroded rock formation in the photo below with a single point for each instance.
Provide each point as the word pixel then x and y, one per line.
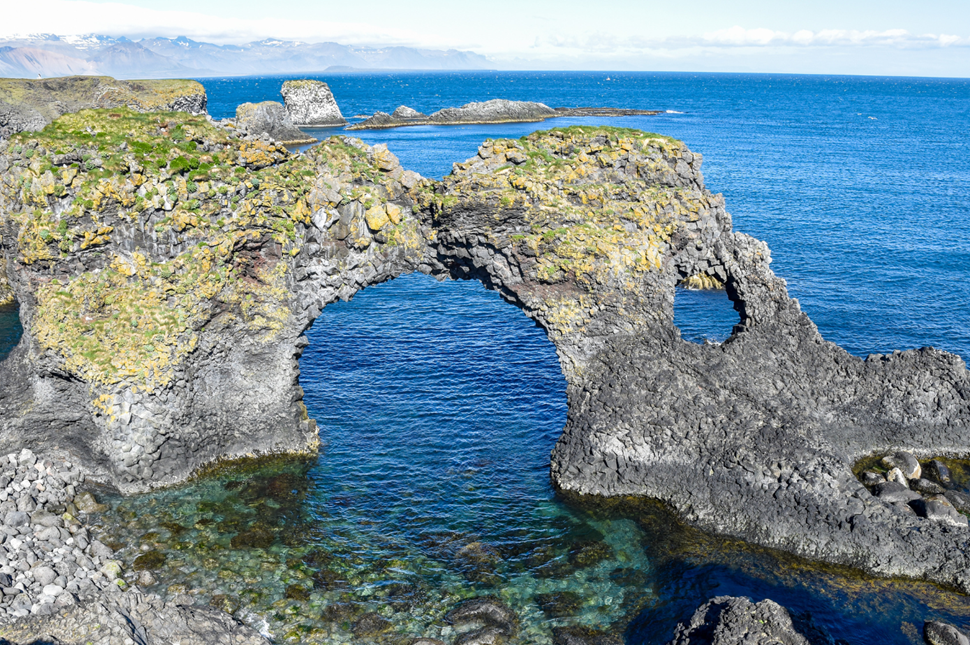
pixel 271 119
pixel 165 293
pixel 311 104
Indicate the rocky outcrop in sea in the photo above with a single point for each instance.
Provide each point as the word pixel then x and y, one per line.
pixel 311 104
pixel 29 105
pixel 493 111
pixel 727 620
pixel 165 283
pixel 271 119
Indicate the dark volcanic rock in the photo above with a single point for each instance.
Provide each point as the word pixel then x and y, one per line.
pixel 727 620
pixel 269 118
pixel 937 471
pixel 559 604
pixel 587 231
pixel 495 614
pixel 893 492
pixel 938 633
pixel 581 635
pixel 370 624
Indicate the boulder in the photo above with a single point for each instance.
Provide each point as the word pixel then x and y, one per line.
pixel 940 633
pixel 926 487
pixel 269 118
pixel 894 492
pixel 906 463
pixel 311 104
pixel 727 620
pixel 960 501
pixel 937 471
pixel 488 610
pixel 870 478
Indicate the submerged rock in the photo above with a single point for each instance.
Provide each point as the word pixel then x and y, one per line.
pixel 727 620
pixel 499 619
pixel 582 635
pixel 559 604
pixel 370 624
pixel 937 471
pixel 310 103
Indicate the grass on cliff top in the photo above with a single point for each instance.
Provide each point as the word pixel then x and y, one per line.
pixel 41 93
pixel 612 132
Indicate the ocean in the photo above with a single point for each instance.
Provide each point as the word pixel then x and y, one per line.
pixel 438 403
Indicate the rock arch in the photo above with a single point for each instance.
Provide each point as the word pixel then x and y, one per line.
pixel 587 230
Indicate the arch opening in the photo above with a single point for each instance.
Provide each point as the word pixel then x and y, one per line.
pixel 704 315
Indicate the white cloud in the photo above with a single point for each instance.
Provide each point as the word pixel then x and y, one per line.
pixel 116 19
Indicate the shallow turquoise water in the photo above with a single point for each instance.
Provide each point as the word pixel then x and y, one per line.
pixel 438 405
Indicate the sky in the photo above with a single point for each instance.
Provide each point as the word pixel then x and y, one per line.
pixel 883 37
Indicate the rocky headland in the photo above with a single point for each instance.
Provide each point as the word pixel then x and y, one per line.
pixel 493 111
pixel 166 269
pixel 29 105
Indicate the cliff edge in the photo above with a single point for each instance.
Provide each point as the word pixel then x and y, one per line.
pixel 29 105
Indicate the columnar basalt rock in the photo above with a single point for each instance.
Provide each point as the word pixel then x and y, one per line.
pixel 199 259
pixel 311 104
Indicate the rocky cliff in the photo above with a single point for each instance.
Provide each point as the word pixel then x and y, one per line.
pixel 271 119
pixel 311 104
pixel 29 105
pixel 166 271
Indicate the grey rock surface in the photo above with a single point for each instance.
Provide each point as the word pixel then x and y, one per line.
pixel 939 633
pixel 727 620
pixel 131 617
pixel 271 119
pixel 493 111
pixel 311 104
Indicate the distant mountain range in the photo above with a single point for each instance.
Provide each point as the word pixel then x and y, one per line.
pixel 50 55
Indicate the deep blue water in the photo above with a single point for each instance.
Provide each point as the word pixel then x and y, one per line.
pixel 860 185
pixel 438 403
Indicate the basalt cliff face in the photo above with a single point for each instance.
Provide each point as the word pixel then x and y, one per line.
pixel 167 268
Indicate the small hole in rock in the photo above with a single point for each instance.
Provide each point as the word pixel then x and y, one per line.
pixel 704 315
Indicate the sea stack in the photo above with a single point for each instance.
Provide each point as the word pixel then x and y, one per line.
pixel 270 118
pixel 311 103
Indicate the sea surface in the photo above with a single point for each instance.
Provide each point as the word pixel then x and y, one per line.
pixel 439 403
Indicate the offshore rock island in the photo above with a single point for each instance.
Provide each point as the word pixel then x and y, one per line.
pixel 493 111
pixel 167 267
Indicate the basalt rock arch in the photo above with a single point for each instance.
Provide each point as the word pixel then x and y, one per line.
pixel 165 303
